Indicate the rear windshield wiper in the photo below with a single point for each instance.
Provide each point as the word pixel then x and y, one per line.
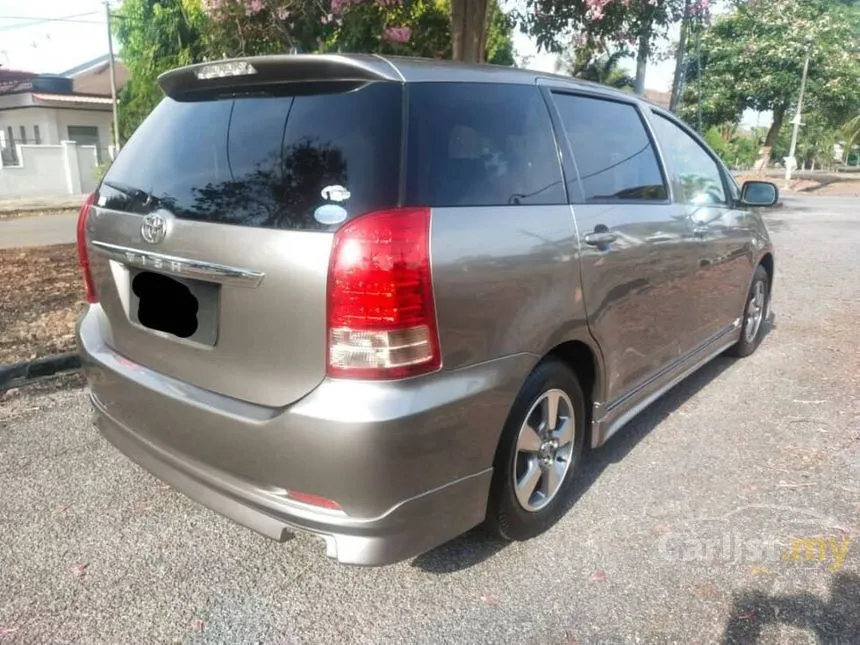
pixel 134 193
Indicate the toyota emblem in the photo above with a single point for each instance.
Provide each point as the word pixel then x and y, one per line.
pixel 154 228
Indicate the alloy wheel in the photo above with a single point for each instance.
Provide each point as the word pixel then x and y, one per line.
pixel 755 312
pixel 544 450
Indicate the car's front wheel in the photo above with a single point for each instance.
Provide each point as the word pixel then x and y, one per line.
pixel 754 316
pixel 540 447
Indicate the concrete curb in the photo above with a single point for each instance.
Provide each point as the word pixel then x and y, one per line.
pixel 19 373
pixel 36 205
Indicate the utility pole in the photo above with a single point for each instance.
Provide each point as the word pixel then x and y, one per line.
pixel 680 61
pixel 112 80
pixel 790 160
pixel 699 73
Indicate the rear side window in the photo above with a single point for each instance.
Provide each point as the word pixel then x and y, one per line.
pixel 612 149
pixel 265 161
pixel 481 145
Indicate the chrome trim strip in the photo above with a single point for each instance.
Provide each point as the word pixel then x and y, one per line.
pixel 209 271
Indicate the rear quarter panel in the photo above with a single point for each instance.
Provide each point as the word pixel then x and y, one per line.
pixel 506 281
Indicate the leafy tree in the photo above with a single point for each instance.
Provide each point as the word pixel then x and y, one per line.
pixel 850 131
pixel 753 58
pixel 632 25
pixel 737 149
pixel 595 67
pixel 156 35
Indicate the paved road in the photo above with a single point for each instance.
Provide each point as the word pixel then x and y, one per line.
pixel 682 533
pixel 38 231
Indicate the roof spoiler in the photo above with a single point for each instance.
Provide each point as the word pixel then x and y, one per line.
pixel 262 72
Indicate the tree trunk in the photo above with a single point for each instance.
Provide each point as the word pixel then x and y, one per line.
pixel 778 117
pixel 489 15
pixel 764 154
pixel 468 27
pixel 675 101
pixel 642 55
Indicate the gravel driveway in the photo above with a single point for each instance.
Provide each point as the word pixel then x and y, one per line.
pixel 683 532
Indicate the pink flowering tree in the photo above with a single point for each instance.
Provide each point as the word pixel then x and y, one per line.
pixel 404 27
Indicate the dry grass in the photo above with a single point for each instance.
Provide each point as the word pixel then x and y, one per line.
pixel 40 300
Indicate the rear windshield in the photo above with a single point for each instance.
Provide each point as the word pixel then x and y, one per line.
pixel 303 162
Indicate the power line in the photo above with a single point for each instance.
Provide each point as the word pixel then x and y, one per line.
pixel 36 20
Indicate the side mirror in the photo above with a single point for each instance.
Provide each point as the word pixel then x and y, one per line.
pixel 759 193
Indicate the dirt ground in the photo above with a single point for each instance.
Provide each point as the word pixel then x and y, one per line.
pixel 843 187
pixel 40 301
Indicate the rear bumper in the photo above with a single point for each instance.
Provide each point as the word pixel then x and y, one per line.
pixel 409 462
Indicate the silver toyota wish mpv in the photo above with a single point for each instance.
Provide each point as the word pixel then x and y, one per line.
pixel 385 300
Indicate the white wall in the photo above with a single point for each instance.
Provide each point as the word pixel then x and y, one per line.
pixel 42 171
pixel 66 169
pixel 101 119
pixel 29 117
pixel 54 122
pixel 87 163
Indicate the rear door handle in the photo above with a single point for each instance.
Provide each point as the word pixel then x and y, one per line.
pixel 600 239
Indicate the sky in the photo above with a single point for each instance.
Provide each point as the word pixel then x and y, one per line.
pixel 54 46
pixel 51 47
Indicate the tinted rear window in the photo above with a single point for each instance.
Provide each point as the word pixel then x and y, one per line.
pixel 264 161
pixel 481 145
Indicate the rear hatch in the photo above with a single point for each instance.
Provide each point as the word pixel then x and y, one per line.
pixel 210 235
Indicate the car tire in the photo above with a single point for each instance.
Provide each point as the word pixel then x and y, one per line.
pixel 530 441
pixel 755 314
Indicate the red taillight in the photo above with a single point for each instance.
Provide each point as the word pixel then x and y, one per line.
pixel 83 254
pixel 381 313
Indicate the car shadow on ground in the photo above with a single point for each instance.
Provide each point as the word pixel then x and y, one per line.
pixel 835 621
pixel 477 545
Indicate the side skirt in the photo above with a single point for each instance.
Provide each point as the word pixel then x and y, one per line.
pixel 609 418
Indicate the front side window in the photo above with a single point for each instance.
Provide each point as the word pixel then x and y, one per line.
pixel 694 171
pixel 613 152
pixel 481 145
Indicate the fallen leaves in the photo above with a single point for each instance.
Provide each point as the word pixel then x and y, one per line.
pixel 707 592
pixel 598 576
pixel 6 631
pixel 490 599
pixel 38 316
pixel 79 570
pixel 661 528
pixel 197 625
